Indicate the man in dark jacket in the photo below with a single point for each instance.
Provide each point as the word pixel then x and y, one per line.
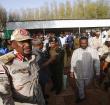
pixel 56 64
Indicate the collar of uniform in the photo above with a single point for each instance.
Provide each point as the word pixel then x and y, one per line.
pixel 19 56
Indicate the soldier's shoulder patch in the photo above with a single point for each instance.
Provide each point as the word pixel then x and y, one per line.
pixel 7 57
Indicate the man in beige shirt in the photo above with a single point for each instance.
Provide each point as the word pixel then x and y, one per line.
pixel 95 42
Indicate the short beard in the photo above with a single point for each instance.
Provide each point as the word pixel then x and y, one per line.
pixel 83 47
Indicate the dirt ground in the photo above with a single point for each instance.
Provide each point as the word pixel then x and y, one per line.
pixel 94 97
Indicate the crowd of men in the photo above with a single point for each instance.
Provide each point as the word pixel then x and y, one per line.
pixel 33 63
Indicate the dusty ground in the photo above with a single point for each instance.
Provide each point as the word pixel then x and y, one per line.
pixel 94 97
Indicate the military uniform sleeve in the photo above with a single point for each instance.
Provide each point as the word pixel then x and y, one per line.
pixel 7 57
pixel 5 87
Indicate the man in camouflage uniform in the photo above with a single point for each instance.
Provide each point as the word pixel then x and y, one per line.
pixel 19 73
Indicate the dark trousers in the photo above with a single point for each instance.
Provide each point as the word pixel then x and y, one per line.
pixel 57 78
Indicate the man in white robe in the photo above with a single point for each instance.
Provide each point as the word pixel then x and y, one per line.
pixel 85 64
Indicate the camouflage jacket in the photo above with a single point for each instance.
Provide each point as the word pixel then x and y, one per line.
pixel 22 78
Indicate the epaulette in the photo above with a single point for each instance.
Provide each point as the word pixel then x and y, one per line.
pixel 7 57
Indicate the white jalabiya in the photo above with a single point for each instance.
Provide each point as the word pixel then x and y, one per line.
pixel 85 62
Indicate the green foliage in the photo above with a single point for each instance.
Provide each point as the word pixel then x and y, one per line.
pixel 91 11
pixel 3 17
pixel 68 10
pixel 80 9
pixel 61 11
pixel 102 9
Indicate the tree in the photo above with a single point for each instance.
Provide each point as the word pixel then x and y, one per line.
pixel 80 9
pixel 14 16
pixel 46 12
pixel 90 10
pixel 54 10
pixel 37 14
pixel 102 9
pixel 24 14
pixel 3 17
pixel 61 11
pixel 68 10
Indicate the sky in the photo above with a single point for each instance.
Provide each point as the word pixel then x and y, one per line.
pixel 11 5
